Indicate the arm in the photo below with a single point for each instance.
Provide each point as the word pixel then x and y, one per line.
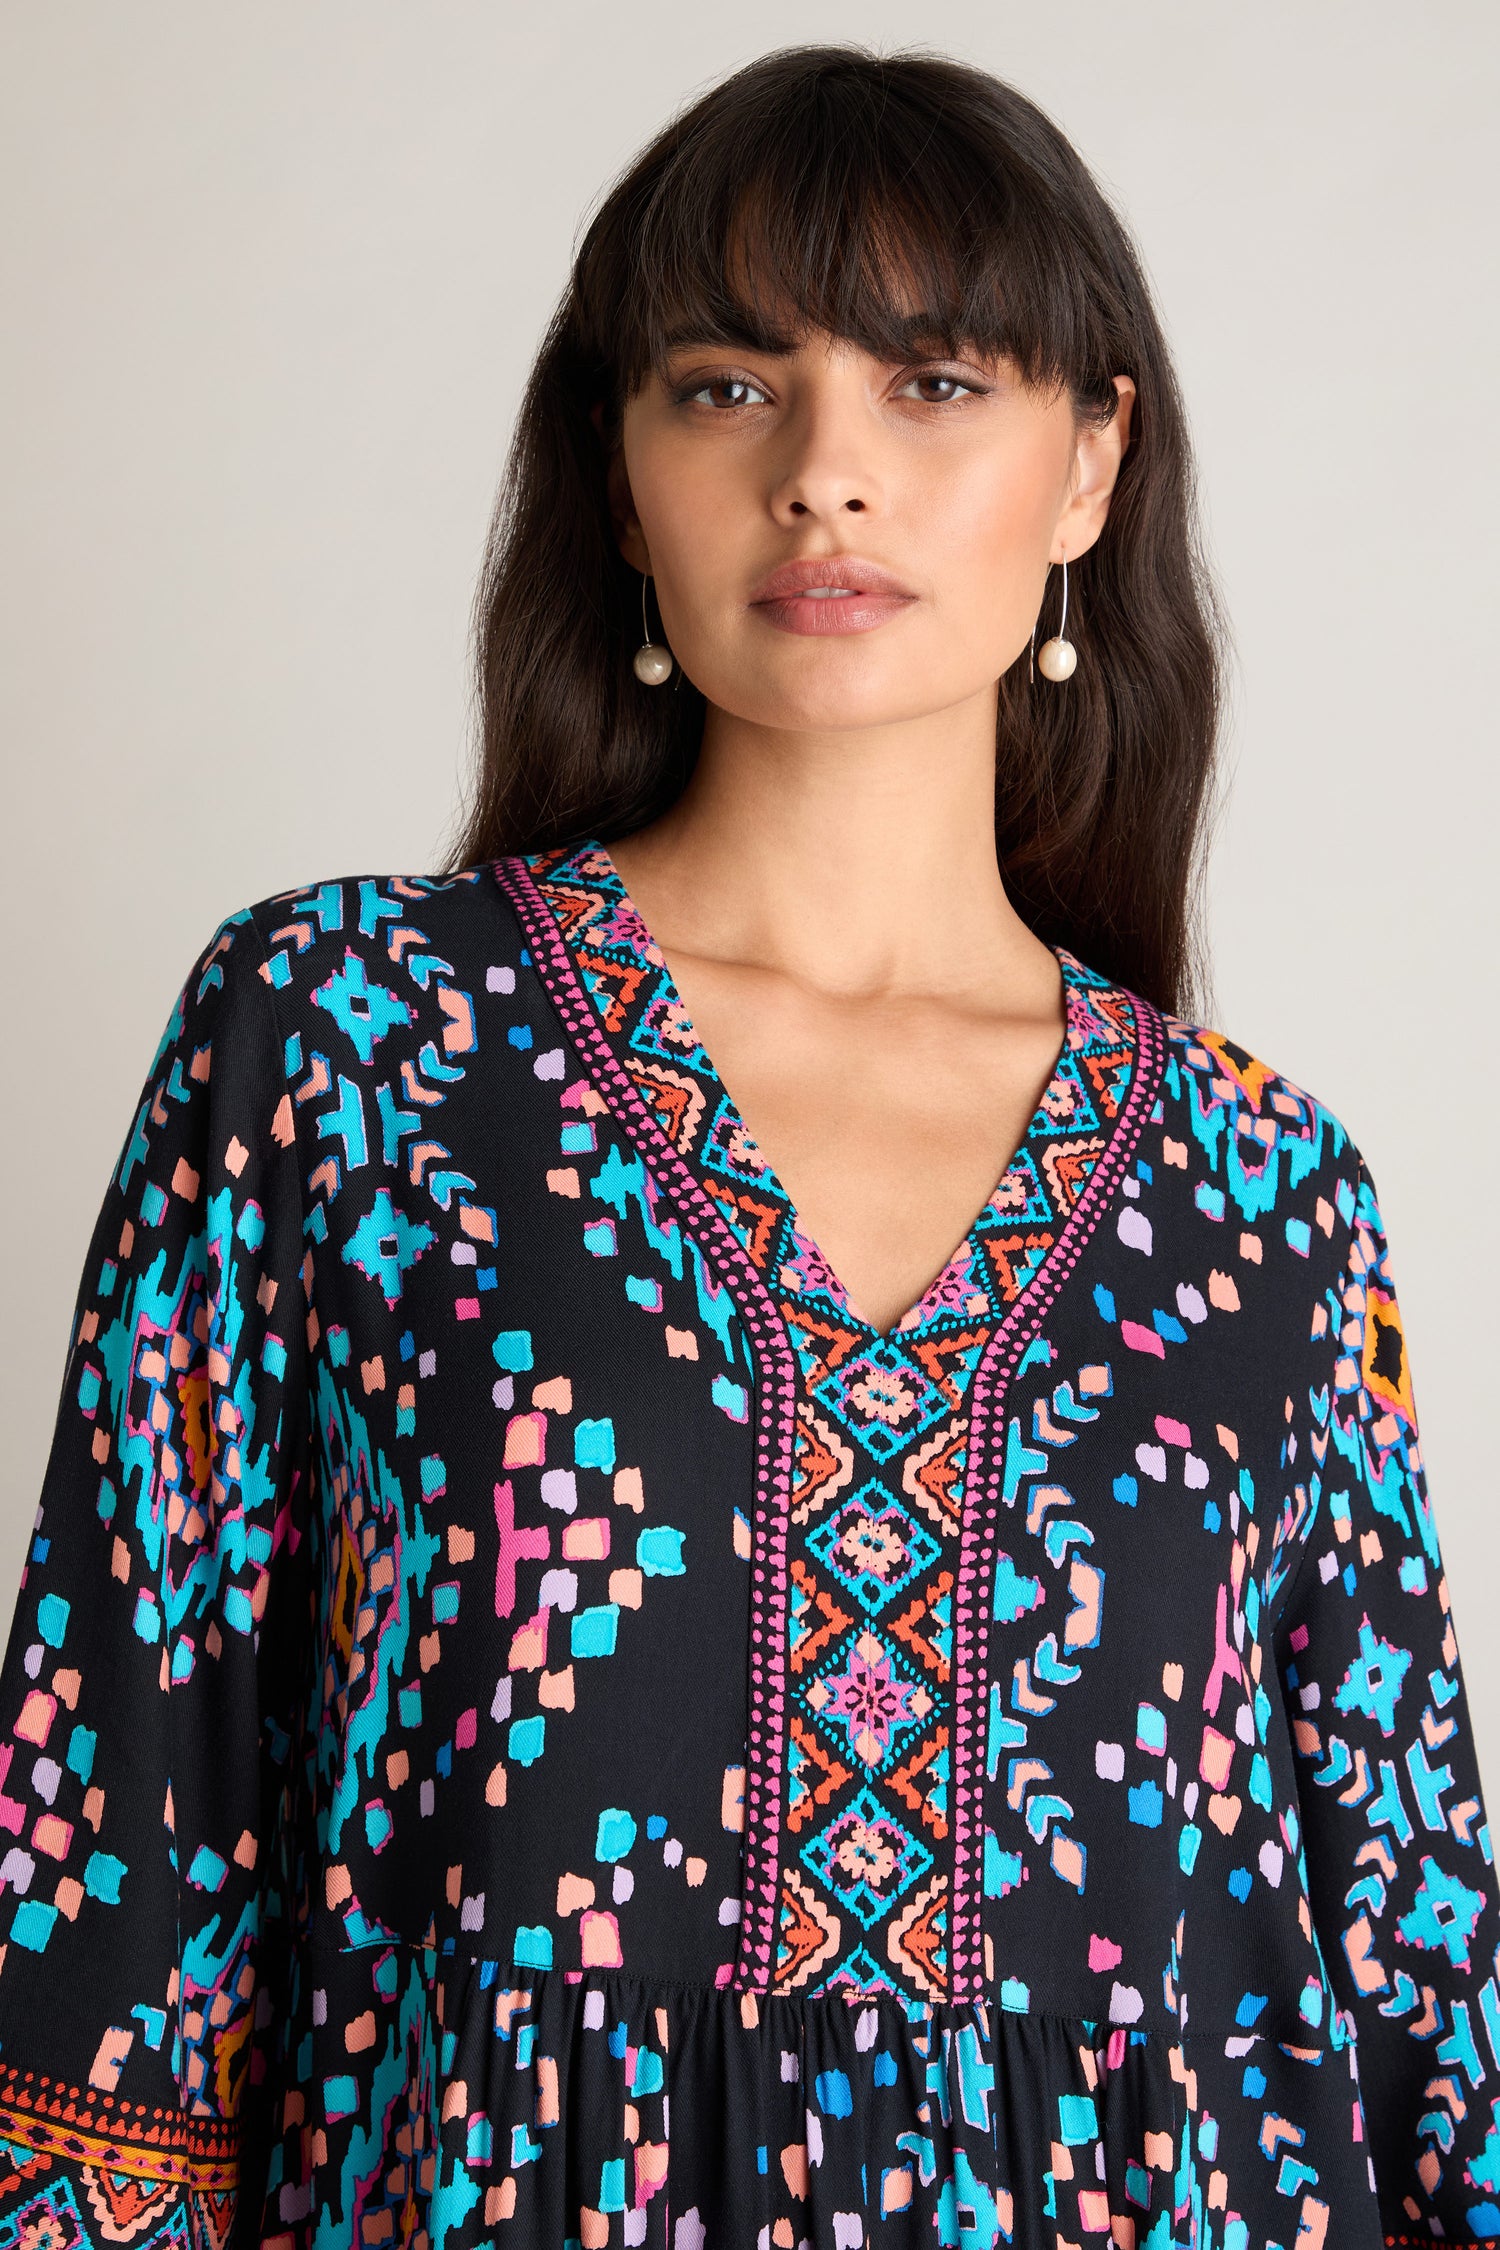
pixel 152 1691
pixel 1397 1849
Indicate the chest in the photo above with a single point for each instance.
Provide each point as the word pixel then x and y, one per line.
pixel 888 1122
pixel 636 1539
pixel 712 1632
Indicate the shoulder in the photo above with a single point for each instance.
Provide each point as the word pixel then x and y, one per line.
pixel 337 966
pixel 291 947
pixel 1259 1146
pixel 377 914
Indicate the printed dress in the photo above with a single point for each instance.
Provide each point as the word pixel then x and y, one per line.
pixel 529 1723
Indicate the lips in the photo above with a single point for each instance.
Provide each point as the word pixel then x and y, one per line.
pixel 837 574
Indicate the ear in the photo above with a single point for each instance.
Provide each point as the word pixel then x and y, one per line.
pixel 624 521
pixel 1096 469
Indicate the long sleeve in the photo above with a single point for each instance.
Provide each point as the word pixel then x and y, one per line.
pixel 1398 1851
pixel 156 1675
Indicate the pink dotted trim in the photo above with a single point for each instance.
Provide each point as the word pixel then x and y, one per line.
pixel 775 1445
pixel 982 1502
pixel 775 1422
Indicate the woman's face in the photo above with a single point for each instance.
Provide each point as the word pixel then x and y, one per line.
pixel 947 475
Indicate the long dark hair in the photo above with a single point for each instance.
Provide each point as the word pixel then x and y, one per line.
pixel 832 181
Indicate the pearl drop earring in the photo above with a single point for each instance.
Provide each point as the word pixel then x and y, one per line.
pixel 653 665
pixel 1058 658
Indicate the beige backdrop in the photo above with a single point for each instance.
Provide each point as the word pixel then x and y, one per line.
pixel 271 278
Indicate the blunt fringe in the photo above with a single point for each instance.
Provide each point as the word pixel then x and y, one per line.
pixel 833 187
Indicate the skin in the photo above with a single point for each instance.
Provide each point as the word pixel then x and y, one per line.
pixel 825 892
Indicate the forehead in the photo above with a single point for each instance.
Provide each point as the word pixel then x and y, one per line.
pixel 773 278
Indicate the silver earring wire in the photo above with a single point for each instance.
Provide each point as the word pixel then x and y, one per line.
pixel 1062 626
pixel 653 665
pixel 1059 658
pixel 1031 664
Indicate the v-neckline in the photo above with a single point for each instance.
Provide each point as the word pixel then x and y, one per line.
pixel 959 1285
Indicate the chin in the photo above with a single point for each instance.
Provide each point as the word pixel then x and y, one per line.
pixel 834 696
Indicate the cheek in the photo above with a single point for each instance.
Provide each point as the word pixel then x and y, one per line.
pixel 697 506
pixel 703 551
pixel 987 538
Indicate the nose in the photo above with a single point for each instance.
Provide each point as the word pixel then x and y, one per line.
pixel 827 462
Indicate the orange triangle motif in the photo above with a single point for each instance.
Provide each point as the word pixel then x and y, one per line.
pixel 1069 1166
pixel 835 1620
pixel 754 1221
pixel 909 1626
pixel 215 2216
pixel 615 977
pixel 1104 1070
pixel 809 1932
pixel 123 2202
pixel 1013 1268
pixel 828 1342
pixel 937 1354
pixel 821 1466
pixel 581 905
pixel 832 1775
pixel 921 1937
pixel 1112 1007
pixel 904 1780
pixel 934 1477
pixel 675 1100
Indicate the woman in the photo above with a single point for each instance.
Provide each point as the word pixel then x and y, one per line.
pixel 735 1553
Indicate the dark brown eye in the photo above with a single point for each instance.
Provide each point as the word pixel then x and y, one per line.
pixel 736 384
pixel 949 386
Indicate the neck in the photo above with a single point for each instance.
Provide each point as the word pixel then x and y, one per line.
pixel 860 862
